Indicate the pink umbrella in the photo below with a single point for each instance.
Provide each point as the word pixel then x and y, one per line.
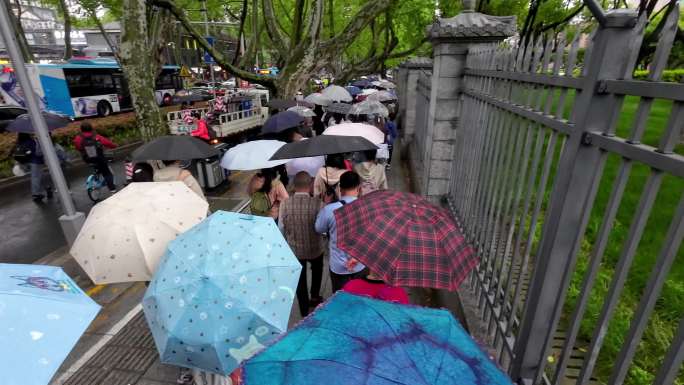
pixel 367 131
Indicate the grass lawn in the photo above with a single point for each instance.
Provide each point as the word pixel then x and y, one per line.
pixel 670 306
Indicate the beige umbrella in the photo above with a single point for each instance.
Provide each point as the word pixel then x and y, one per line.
pixel 125 236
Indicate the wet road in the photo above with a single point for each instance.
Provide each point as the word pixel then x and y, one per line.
pixel 30 230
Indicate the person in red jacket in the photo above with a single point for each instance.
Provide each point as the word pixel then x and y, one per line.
pixel 91 146
pixel 374 287
pixel 202 130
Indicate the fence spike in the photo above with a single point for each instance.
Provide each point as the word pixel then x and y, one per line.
pixel 665 42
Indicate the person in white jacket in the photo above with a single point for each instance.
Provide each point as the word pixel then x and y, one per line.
pixel 372 173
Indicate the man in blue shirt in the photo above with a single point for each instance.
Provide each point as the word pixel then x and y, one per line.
pixel 343 268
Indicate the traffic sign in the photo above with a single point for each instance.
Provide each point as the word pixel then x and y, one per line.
pixel 207 57
pixel 185 72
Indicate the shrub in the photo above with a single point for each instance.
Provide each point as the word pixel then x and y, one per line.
pixel 673 76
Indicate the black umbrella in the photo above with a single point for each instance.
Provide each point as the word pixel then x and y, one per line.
pixel 282 104
pixel 282 121
pixel 339 108
pixel 23 123
pixel 323 145
pixel 174 148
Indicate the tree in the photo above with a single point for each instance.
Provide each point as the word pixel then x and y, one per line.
pixel 142 42
pixel 18 29
pixel 297 41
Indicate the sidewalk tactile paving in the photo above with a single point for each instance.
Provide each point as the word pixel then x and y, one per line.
pixel 121 377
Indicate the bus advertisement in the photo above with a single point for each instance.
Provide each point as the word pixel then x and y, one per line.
pixel 85 87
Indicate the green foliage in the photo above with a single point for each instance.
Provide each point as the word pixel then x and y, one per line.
pixel 674 75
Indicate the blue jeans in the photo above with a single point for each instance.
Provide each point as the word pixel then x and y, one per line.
pixel 39 182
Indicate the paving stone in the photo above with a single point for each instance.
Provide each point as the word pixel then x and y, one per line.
pixel 120 377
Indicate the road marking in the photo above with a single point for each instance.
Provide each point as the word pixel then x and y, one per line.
pixel 98 345
pixel 95 289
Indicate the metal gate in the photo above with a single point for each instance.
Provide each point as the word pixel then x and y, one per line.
pixel 550 150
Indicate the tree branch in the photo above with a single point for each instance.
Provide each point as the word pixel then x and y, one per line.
pixel 241 31
pixel 218 57
pixel 544 28
pixel 280 41
pixel 297 23
pixel 315 20
pixel 368 12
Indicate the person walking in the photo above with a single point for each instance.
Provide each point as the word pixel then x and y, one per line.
pixel 372 174
pixel 391 135
pixel 296 220
pixel 374 287
pixel 327 179
pixel 343 268
pixel 91 146
pixel 173 172
pixel 30 151
pixel 267 192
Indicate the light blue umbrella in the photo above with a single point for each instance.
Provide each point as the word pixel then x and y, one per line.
pixel 223 290
pixel 42 315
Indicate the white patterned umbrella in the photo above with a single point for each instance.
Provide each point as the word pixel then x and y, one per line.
pixel 369 107
pixel 305 112
pixel 382 96
pixel 125 236
pixel 318 98
pixel 337 94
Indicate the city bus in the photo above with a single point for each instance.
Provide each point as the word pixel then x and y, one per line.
pixel 86 87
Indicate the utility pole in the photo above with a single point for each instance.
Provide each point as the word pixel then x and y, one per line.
pixel 72 220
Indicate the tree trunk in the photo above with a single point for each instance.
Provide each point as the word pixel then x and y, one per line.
pixel 19 32
pixel 64 9
pixel 255 30
pixel 139 68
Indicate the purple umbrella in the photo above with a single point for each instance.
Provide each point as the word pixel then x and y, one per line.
pixel 282 121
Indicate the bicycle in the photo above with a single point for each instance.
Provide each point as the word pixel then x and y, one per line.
pixel 94 184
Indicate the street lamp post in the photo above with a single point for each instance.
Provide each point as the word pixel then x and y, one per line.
pixel 72 220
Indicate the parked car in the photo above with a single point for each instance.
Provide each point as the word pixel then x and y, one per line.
pixel 8 113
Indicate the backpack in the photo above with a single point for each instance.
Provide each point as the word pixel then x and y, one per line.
pixel 260 204
pixel 92 148
pixel 22 153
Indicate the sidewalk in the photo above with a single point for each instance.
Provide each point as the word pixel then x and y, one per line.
pixel 126 354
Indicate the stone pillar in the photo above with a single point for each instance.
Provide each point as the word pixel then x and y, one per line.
pixel 451 39
pixel 408 96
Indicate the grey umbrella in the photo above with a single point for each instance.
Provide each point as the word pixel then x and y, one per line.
pixel 23 123
pixel 323 145
pixel 339 108
pixel 174 148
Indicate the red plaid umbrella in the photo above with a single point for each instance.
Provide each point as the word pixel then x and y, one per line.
pixel 405 239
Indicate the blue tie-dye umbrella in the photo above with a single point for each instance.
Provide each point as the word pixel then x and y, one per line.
pixel 42 315
pixel 358 340
pixel 222 291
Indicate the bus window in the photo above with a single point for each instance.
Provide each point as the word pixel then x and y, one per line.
pixel 84 83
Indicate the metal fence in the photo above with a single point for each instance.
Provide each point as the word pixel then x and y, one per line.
pixel 550 150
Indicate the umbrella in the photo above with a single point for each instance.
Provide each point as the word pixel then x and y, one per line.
pixel 323 145
pixel 282 104
pixel 358 340
pixel 369 91
pixel 406 240
pixel 369 107
pixel 310 165
pixel 174 148
pixel 22 123
pixel 124 236
pixel 253 155
pixel 362 83
pixel 42 315
pixel 382 96
pixel 318 98
pixel 363 130
pixel 339 108
pixel 282 121
pixel 305 112
pixel 387 84
pixel 223 290
pixel 337 94
pixel 353 90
